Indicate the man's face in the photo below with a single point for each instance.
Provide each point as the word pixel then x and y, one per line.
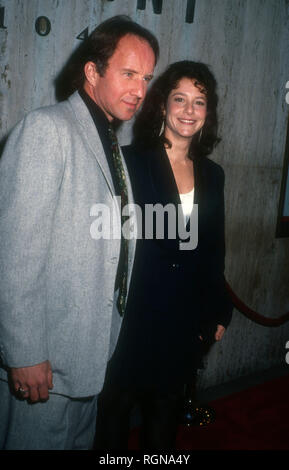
pixel 120 92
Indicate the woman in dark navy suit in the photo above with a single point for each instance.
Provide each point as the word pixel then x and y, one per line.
pixel 177 296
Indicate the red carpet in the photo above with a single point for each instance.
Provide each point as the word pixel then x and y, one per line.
pixel 254 419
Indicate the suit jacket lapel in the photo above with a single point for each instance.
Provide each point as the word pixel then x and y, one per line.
pixel 163 179
pixel 165 189
pixel 90 133
pixel 199 182
pixel 89 130
pixel 164 183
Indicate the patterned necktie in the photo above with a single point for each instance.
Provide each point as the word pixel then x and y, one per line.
pixel 120 175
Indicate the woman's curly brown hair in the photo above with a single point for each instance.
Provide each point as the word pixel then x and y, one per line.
pixel 149 120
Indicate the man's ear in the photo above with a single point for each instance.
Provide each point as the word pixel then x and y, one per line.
pixel 91 73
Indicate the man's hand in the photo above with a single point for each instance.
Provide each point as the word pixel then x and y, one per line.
pixel 35 380
pixel 220 332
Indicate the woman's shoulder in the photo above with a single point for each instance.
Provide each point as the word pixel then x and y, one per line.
pixel 136 156
pixel 212 168
pixel 135 151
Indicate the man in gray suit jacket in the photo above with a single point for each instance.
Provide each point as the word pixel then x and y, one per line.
pixel 59 320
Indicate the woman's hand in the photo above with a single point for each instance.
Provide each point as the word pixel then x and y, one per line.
pixel 220 332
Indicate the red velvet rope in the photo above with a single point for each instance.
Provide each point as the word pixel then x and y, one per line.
pixel 254 316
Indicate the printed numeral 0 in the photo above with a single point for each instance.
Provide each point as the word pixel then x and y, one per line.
pixel 42 26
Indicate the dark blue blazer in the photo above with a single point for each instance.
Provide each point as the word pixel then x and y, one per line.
pixel 200 272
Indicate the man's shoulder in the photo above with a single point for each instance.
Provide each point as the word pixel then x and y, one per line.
pixel 63 109
pixel 48 118
pixel 57 110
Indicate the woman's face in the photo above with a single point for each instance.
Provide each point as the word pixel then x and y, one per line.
pixel 186 111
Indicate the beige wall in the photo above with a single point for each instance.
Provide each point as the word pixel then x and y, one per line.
pixel 246 42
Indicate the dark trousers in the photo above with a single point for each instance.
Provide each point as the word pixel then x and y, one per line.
pixel 159 413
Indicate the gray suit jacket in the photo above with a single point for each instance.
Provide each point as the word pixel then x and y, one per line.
pixel 57 299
